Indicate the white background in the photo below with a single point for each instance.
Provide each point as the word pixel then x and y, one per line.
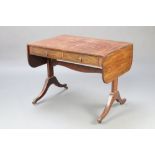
pixel 77 13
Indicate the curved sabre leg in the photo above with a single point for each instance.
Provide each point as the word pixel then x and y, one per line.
pixel 114 95
pixel 51 79
pixel 119 99
pixel 47 84
pixel 56 82
pixel 107 108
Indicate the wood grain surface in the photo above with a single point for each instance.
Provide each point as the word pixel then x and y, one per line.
pixel 117 63
pixel 81 45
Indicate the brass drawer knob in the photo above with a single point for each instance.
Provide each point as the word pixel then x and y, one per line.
pixel 80 59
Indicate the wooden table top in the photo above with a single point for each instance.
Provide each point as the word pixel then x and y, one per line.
pixel 81 45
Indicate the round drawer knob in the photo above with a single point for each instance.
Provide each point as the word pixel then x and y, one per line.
pixel 80 59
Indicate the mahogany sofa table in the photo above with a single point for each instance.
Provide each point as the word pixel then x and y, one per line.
pixel 110 58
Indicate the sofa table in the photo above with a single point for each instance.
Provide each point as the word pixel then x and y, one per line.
pixel 110 58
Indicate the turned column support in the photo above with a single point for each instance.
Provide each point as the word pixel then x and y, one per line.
pixel 50 68
pixel 51 79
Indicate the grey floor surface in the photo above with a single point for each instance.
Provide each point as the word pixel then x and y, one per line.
pixel 77 107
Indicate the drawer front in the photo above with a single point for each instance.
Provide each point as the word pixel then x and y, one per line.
pixel 85 59
pixel 45 53
pixel 37 51
pixel 71 57
pixel 54 54
pixel 68 56
pixel 92 60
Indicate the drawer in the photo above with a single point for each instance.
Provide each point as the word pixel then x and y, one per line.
pixel 78 58
pixel 54 54
pixel 37 51
pixel 45 52
pixel 68 56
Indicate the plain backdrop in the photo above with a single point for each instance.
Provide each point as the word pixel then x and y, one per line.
pixel 79 106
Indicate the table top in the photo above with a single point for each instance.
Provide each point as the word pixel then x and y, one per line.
pixel 81 45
